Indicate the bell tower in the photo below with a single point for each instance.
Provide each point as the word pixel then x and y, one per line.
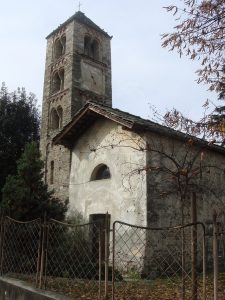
pixel 77 69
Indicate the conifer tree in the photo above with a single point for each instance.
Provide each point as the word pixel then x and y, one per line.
pixel 19 125
pixel 25 195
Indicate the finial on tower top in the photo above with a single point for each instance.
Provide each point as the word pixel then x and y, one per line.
pixel 79 6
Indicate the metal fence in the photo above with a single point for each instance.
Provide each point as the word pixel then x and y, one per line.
pixel 90 261
pixel 20 248
pixel 73 259
pixel 53 255
pixel 158 263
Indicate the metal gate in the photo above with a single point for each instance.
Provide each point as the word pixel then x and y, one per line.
pixel 158 263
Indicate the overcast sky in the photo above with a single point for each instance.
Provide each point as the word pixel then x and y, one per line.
pixel 142 71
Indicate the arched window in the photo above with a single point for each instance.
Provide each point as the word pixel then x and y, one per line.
pixel 60 47
pixel 58 81
pixel 91 47
pixel 56 118
pixel 100 172
pixel 52 172
pixel 60 114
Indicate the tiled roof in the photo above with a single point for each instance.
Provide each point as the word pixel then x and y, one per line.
pixel 93 110
pixel 81 18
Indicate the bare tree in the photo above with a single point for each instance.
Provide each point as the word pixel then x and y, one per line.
pixel 200 35
pixel 175 168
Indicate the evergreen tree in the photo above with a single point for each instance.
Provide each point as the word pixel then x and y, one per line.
pixel 19 124
pixel 25 196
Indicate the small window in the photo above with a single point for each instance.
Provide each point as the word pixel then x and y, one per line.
pixel 58 81
pixel 95 50
pixel 87 43
pixel 101 172
pixel 56 118
pixel 60 114
pixel 91 47
pixel 52 172
pixel 59 47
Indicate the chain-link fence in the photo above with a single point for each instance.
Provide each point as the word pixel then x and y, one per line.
pixel 158 263
pixel 129 262
pixel 57 256
pixel 20 248
pixel 215 258
pixel 73 259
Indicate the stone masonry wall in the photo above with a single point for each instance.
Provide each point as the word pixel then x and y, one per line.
pixel 76 91
pixel 164 205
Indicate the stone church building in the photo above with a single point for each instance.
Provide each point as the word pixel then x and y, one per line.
pixel 107 160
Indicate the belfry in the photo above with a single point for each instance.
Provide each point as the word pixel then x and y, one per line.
pixel 77 69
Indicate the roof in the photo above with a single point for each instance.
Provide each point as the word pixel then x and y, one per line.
pixel 81 18
pixel 92 111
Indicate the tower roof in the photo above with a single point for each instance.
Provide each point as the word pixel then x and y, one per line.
pixel 81 18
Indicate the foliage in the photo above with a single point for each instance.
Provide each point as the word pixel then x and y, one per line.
pixel 209 128
pixel 219 115
pixel 25 196
pixel 200 35
pixel 19 124
pixel 75 217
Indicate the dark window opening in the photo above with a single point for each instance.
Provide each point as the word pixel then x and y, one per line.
pixel 58 81
pixel 101 172
pixel 54 119
pixel 60 114
pixel 60 47
pixel 52 172
pixel 87 43
pixel 91 47
pixel 95 50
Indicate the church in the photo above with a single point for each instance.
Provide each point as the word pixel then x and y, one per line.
pixel 106 160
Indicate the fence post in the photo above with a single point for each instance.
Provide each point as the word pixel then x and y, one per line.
pixel 43 242
pixel 1 243
pixel 194 247
pixel 113 261
pixel 204 264
pixel 100 260
pixel 215 257
pixel 183 264
pixel 46 254
pixel 106 254
pixel 39 254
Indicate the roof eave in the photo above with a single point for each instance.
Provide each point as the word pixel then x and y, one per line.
pixel 62 137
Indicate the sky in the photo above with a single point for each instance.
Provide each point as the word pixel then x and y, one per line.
pixel 143 73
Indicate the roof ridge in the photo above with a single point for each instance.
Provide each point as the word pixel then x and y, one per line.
pixel 121 111
pixel 82 18
pixel 144 124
